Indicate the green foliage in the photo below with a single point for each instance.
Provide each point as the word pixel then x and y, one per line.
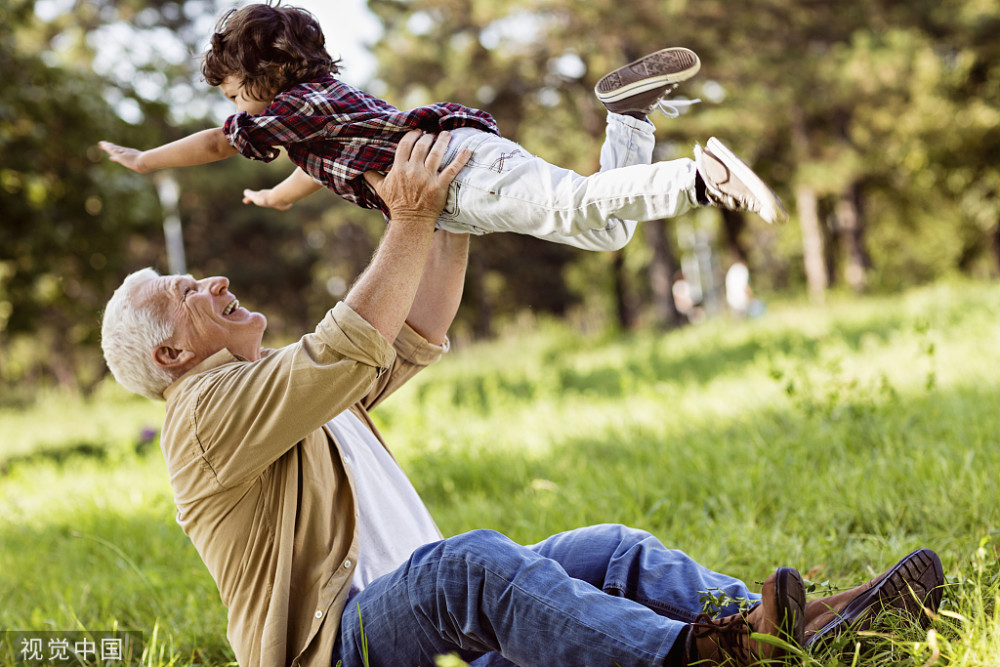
pixel 78 424
pixel 75 224
pixel 64 220
pixel 886 112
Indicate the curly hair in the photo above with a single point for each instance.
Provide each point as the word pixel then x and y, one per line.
pixel 268 48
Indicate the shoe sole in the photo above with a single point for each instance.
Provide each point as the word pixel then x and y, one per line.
pixel 791 592
pixel 771 210
pixel 913 583
pixel 664 67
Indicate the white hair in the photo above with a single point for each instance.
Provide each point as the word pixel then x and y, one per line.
pixel 129 334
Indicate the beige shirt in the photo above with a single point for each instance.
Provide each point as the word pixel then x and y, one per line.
pixel 260 484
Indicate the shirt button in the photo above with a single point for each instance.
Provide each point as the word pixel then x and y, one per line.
pixel 319 613
pixel 347 564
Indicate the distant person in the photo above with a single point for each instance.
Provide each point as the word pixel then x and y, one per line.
pixel 685 301
pixel 322 550
pixel 271 61
pixel 739 294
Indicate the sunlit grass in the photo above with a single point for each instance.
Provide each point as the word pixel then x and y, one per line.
pixel 834 440
pixel 61 421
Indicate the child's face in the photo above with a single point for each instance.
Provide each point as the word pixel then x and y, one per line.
pixel 235 92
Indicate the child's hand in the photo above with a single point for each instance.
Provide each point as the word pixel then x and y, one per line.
pixel 128 157
pixel 264 198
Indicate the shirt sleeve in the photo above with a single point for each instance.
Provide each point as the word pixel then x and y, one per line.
pixel 413 354
pixel 258 137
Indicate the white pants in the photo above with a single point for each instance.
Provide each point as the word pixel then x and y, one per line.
pixel 505 189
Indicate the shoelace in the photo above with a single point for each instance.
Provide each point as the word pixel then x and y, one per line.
pixel 730 635
pixel 672 108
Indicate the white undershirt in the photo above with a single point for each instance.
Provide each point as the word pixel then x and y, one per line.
pixel 393 519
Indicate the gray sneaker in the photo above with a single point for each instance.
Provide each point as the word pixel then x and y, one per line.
pixel 641 85
pixel 731 184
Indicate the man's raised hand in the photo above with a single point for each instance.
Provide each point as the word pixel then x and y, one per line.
pixel 416 186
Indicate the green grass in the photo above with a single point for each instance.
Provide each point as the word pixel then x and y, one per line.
pixel 834 440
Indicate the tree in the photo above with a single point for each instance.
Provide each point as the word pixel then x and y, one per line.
pixel 875 121
pixel 66 217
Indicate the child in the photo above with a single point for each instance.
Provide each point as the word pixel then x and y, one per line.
pixel 271 61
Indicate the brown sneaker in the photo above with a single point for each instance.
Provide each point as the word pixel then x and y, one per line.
pixel 909 586
pixel 640 85
pixel 727 641
pixel 730 183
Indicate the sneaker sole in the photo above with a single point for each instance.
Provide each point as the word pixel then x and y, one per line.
pixel 667 66
pixel 789 588
pixel 913 583
pixel 771 210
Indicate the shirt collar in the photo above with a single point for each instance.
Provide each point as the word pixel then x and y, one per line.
pixel 220 358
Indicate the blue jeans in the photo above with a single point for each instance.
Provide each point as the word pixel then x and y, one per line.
pixel 599 596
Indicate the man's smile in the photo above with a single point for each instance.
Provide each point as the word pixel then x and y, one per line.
pixel 231 308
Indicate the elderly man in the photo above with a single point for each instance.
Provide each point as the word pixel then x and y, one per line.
pixel 322 550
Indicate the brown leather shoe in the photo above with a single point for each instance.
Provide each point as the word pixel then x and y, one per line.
pixel 727 641
pixel 910 585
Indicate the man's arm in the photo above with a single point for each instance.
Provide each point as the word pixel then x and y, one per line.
pixel 422 342
pixel 199 148
pixel 415 193
pixel 298 185
pixel 440 291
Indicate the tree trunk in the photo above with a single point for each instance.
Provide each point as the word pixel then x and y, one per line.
pixel 661 275
pixel 812 242
pixel 996 246
pixel 482 323
pixel 733 223
pixel 851 227
pixel 624 304
pixel 807 205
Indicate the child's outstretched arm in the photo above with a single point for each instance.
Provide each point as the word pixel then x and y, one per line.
pixel 284 194
pixel 199 148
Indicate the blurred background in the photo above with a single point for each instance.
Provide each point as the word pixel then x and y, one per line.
pixel 878 123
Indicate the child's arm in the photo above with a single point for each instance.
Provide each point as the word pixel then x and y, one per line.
pixel 284 194
pixel 199 148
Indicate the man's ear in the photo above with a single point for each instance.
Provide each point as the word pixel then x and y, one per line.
pixel 171 358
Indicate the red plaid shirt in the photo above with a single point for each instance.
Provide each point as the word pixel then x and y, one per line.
pixel 336 133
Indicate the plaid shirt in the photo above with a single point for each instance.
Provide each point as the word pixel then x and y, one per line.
pixel 336 133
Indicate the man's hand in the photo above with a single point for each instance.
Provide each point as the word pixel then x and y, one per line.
pixel 128 157
pixel 264 198
pixel 415 188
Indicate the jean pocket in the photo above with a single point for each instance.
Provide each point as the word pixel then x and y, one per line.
pixel 463 137
pixel 451 208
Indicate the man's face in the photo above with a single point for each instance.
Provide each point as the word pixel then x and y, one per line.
pixel 206 316
pixel 237 94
